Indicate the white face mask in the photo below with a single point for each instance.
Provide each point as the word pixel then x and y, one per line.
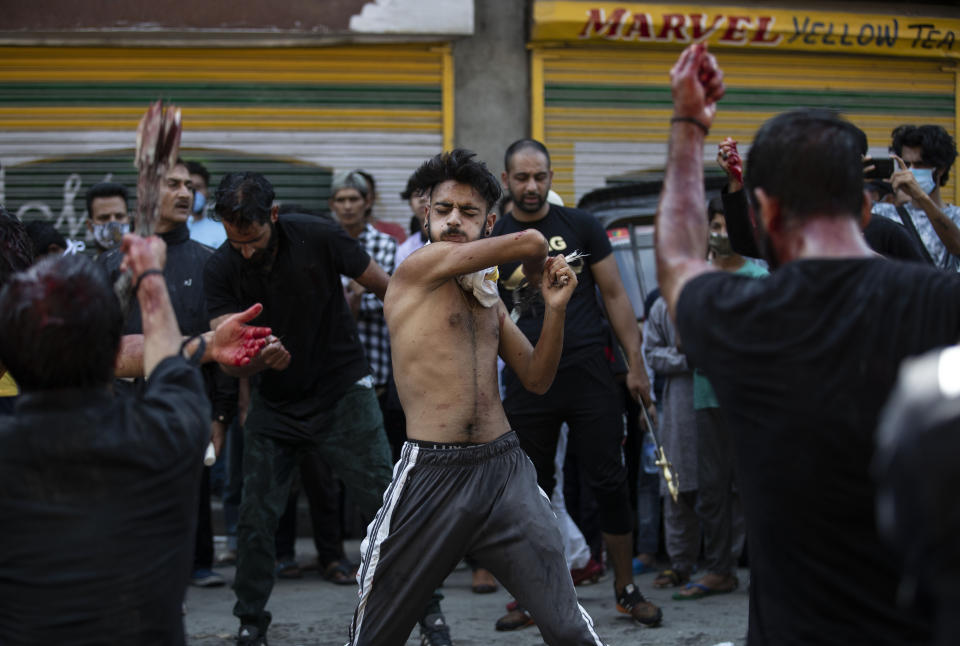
pixel 109 234
pixel 924 177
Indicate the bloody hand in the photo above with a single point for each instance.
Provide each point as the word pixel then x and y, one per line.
pixel 729 159
pixel 234 343
pixel 697 84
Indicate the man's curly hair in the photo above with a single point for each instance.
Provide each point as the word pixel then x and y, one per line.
pixel 939 149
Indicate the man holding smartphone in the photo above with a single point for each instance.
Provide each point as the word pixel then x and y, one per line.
pixel 923 156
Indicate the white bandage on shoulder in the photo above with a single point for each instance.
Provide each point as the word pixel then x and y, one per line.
pixel 483 285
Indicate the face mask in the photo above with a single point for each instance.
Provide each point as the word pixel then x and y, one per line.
pixel 109 234
pixel 924 177
pixel 720 245
pixel 199 201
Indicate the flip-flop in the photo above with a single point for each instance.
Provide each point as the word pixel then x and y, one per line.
pixel 700 591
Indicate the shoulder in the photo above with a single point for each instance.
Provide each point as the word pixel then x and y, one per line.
pixel 308 225
pixel 751 268
pixel 221 260
pixel 886 210
pixel 197 250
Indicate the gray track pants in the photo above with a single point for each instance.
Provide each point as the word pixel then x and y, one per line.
pixel 447 501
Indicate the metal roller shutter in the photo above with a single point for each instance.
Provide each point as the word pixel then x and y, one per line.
pixel 68 117
pixel 605 112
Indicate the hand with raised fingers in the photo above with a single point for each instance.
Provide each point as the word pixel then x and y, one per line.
pixel 904 182
pixel 235 343
pixel 696 82
pixel 557 282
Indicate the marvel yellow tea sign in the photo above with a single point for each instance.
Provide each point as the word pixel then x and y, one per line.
pixel 798 30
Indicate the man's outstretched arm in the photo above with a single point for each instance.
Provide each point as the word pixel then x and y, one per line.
pixel 234 343
pixel 537 366
pixel 681 230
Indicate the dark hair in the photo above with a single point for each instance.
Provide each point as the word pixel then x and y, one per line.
pixel 810 160
pixel 458 165
pixel 105 189
pixel 60 325
pixel 16 250
pixel 521 144
pixel 409 191
pixel 196 168
pixel 42 235
pixel 243 199
pixel 939 149
pixel 714 206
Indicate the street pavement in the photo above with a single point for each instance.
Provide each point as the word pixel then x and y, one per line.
pixel 311 612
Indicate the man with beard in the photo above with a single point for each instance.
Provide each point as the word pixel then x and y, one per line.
pixel 315 391
pixel 801 361
pixel 584 393
pixel 183 274
pixel 463 485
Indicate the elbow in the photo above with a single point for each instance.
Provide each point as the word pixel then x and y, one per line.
pixel 534 244
pixel 539 386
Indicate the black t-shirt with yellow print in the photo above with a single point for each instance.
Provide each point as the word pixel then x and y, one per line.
pixel 566 230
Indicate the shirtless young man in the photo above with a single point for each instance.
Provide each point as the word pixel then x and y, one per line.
pixel 462 484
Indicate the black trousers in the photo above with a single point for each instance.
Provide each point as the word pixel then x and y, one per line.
pixel 587 398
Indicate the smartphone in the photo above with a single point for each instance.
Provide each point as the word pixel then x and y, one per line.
pixel 882 168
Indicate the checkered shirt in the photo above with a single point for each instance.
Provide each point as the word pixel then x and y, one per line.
pixel 371 325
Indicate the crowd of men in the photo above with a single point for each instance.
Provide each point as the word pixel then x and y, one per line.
pixel 353 357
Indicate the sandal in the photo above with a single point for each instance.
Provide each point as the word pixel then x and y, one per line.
pixel 694 591
pixel 340 573
pixel 671 579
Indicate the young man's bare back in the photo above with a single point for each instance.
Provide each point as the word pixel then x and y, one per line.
pixel 463 485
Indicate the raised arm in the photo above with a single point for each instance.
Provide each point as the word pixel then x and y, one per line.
pixel 537 366
pixel 145 257
pixel 946 229
pixel 438 262
pixel 681 230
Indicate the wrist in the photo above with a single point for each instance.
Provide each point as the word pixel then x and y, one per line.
pixel 681 121
pixel 149 279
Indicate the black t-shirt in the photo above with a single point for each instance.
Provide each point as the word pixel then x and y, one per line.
pixel 98 496
pixel 566 230
pixel 802 363
pixel 303 302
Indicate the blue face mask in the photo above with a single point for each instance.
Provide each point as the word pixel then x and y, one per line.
pixel 924 177
pixel 199 201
